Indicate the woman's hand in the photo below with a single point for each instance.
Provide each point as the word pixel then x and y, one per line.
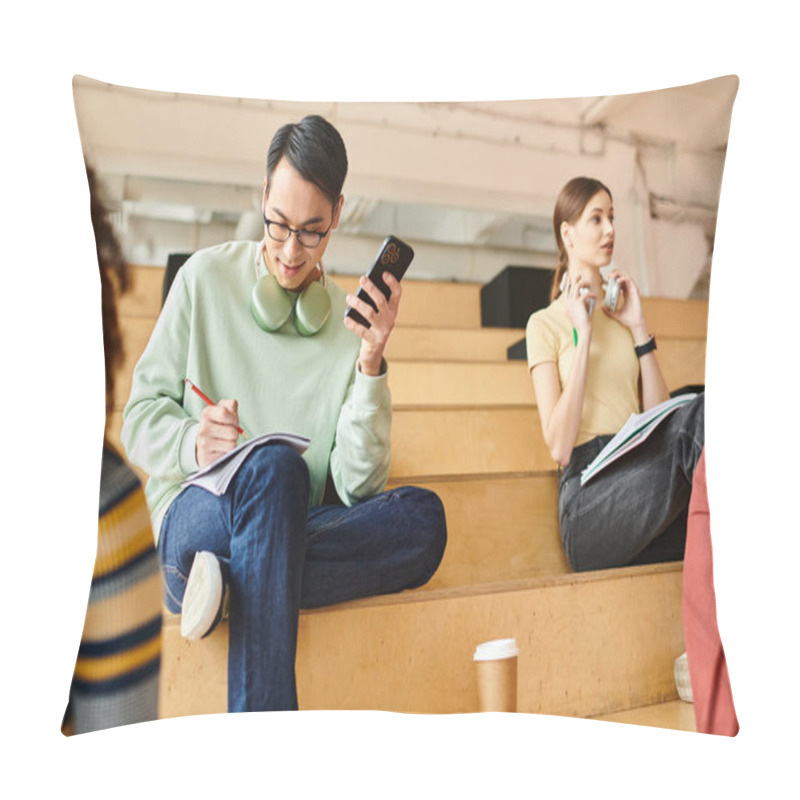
pixel 577 310
pixel 218 431
pixel 374 338
pixel 631 313
pixel 653 387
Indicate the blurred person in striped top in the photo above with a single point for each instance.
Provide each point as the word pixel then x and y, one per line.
pixel 116 674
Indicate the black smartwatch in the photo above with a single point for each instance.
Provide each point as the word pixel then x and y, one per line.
pixel 647 347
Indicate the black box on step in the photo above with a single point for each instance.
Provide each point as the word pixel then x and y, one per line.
pixel 513 295
pixel 174 262
pixel 517 351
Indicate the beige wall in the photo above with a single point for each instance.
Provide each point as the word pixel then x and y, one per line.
pixel 504 158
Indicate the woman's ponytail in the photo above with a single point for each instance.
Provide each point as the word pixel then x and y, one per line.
pixel 560 271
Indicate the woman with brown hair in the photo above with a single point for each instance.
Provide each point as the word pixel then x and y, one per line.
pixel 593 366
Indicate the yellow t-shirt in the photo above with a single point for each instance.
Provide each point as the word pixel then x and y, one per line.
pixel 611 394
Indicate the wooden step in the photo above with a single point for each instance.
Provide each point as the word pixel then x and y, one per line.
pixel 500 528
pixel 461 441
pixel 476 375
pixel 405 343
pixel 411 382
pixel 433 304
pixel 673 318
pixel 425 303
pixel 682 362
pixel 497 483
pixel 439 304
pixel 452 383
pixel 450 344
pixel 436 442
pixel 458 383
pixel 427 355
pixel 590 644
pixel 143 298
pixel 674 715
pixel 682 359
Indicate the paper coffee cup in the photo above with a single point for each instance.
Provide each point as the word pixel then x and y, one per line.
pixel 496 668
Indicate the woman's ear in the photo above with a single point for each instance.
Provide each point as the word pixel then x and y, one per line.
pixel 565 234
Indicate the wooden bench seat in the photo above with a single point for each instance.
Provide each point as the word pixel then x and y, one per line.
pixel 499 528
pixel 425 303
pixel 590 644
pixel 455 367
pixel 500 500
pixel 430 441
pixel 438 304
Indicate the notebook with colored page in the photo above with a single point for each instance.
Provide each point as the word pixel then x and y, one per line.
pixel 217 476
pixel 633 433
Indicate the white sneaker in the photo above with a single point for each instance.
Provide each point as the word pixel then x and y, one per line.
pixel 682 681
pixel 205 597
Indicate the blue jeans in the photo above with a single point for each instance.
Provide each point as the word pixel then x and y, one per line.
pixel 279 556
pixel 635 511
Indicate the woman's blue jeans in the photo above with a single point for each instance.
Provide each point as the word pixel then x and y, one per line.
pixel 635 511
pixel 280 556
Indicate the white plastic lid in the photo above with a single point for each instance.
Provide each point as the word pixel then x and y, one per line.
pixel 496 649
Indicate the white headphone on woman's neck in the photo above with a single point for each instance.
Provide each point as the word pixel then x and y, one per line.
pixel 272 305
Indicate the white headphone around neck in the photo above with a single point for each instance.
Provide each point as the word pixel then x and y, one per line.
pixel 271 304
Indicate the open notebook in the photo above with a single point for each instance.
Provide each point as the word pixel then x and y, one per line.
pixel 216 477
pixel 633 433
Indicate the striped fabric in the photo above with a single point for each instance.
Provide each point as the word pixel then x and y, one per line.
pixel 116 674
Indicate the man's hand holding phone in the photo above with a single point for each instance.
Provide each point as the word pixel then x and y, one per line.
pixel 372 312
pixel 381 321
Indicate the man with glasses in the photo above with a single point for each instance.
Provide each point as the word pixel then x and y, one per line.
pixel 262 332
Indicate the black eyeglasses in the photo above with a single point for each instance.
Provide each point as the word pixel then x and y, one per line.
pixel 281 233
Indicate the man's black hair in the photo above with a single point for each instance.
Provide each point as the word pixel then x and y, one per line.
pixel 315 149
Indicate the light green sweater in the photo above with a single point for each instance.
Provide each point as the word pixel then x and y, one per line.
pixel 282 381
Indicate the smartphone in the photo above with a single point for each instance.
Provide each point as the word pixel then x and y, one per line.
pixel 394 256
